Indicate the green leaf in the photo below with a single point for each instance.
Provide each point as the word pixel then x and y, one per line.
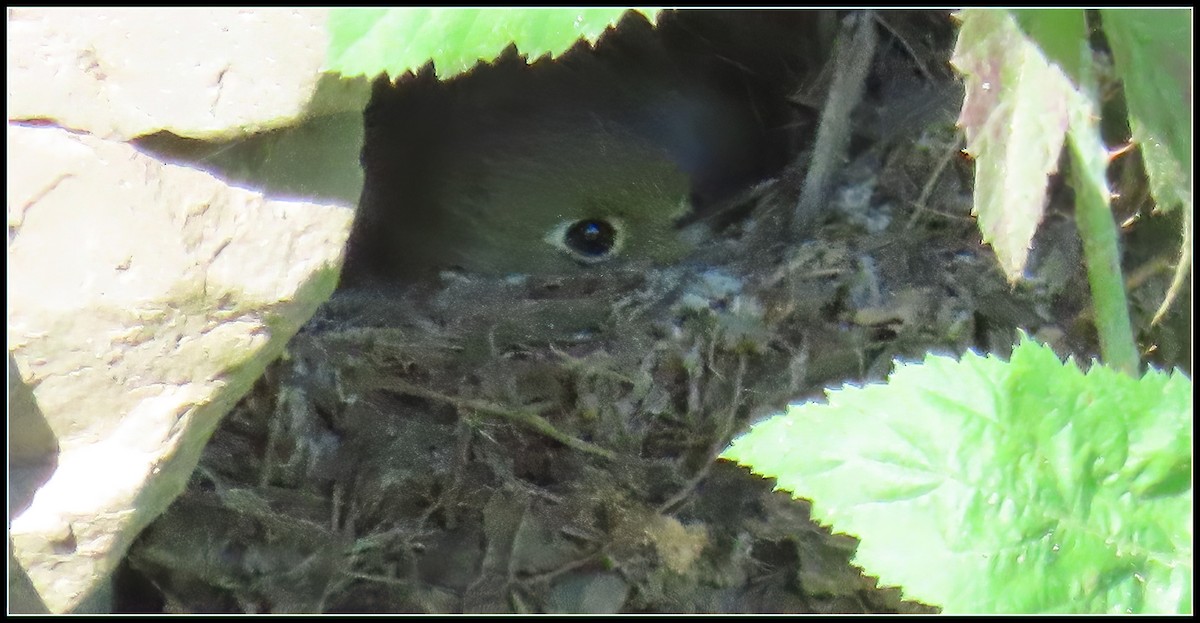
pixel 1152 53
pixel 1152 50
pixel 1060 33
pixel 994 487
pixel 1015 117
pixel 370 42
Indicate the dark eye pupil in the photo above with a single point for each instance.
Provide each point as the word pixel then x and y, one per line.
pixel 591 237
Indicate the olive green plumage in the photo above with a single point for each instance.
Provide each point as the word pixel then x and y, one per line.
pixel 486 173
pixel 508 206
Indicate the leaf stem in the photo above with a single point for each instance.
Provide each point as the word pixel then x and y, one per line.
pixel 1101 250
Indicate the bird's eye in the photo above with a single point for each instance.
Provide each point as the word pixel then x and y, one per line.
pixel 591 239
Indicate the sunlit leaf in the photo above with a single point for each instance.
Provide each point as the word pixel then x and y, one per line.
pixel 1152 49
pixel 992 487
pixel 1015 116
pixel 371 42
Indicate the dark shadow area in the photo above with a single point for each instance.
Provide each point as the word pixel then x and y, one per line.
pixel 315 159
pixel 32 446
pixel 32 459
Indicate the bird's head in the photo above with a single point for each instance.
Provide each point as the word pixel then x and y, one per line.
pixel 555 196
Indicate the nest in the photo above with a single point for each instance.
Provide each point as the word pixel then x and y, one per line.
pixel 487 458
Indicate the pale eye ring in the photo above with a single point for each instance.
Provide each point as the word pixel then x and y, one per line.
pixel 588 240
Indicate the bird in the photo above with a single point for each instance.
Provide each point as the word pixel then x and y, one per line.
pixel 570 166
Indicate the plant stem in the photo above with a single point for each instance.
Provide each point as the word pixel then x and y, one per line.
pixel 1101 251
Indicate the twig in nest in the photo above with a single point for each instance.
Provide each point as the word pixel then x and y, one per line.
pixel 912 53
pixel 718 447
pixel 921 204
pixel 527 419
pixel 1181 269
pixel 571 565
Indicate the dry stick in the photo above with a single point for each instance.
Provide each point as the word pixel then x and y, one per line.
pixel 922 202
pixel 722 441
pixel 526 418
pixel 1181 269
pixel 852 59
pixel 916 58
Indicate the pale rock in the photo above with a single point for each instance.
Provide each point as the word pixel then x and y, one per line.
pixel 144 300
pixel 197 72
